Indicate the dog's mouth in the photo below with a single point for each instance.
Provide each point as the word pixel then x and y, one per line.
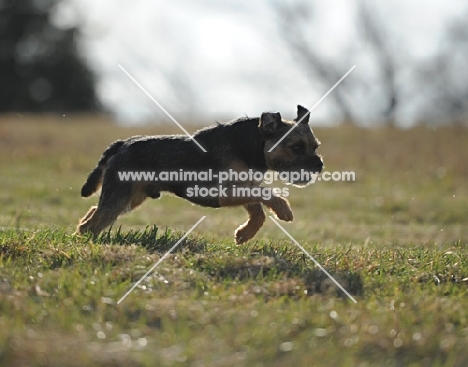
pixel 301 178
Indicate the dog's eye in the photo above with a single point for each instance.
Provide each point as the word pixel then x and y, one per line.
pixel 298 149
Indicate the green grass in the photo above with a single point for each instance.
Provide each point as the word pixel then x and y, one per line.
pixel 395 239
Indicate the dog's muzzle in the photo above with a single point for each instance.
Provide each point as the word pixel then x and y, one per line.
pixel 317 164
pixel 313 168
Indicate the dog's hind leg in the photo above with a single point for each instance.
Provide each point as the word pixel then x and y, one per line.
pixel 256 219
pixel 138 196
pixel 102 218
pixel 88 215
pixel 112 203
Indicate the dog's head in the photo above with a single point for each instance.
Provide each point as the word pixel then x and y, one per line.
pixel 296 152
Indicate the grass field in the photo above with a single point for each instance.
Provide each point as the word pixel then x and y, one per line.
pixel 396 239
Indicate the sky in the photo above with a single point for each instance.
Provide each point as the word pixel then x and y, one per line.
pixel 219 60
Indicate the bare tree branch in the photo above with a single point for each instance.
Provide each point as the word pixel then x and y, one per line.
pixel 294 36
pixel 378 39
pixel 293 21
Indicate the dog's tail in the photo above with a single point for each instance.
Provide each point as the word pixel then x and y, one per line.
pixel 94 180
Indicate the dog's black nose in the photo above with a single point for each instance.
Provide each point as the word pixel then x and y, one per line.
pixel 319 162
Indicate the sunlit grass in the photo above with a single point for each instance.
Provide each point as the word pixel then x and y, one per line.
pixel 395 239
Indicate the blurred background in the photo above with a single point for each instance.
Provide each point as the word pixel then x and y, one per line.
pixel 211 60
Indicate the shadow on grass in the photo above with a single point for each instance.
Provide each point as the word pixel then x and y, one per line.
pixel 279 264
pixel 148 238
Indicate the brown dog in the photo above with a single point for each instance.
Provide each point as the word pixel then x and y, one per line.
pixel 240 145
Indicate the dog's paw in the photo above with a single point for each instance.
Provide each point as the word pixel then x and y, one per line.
pixel 286 215
pixel 282 210
pixel 244 233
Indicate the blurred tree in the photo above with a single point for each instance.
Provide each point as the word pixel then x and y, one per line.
pixel 435 90
pixel 309 58
pixel 377 37
pixel 446 79
pixel 40 67
pixel 316 65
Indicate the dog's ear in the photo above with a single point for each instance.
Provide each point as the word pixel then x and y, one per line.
pixel 270 123
pixel 301 112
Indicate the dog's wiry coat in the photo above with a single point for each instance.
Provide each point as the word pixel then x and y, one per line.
pixel 239 145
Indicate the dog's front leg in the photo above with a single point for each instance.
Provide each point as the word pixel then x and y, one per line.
pixel 280 206
pixel 256 219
